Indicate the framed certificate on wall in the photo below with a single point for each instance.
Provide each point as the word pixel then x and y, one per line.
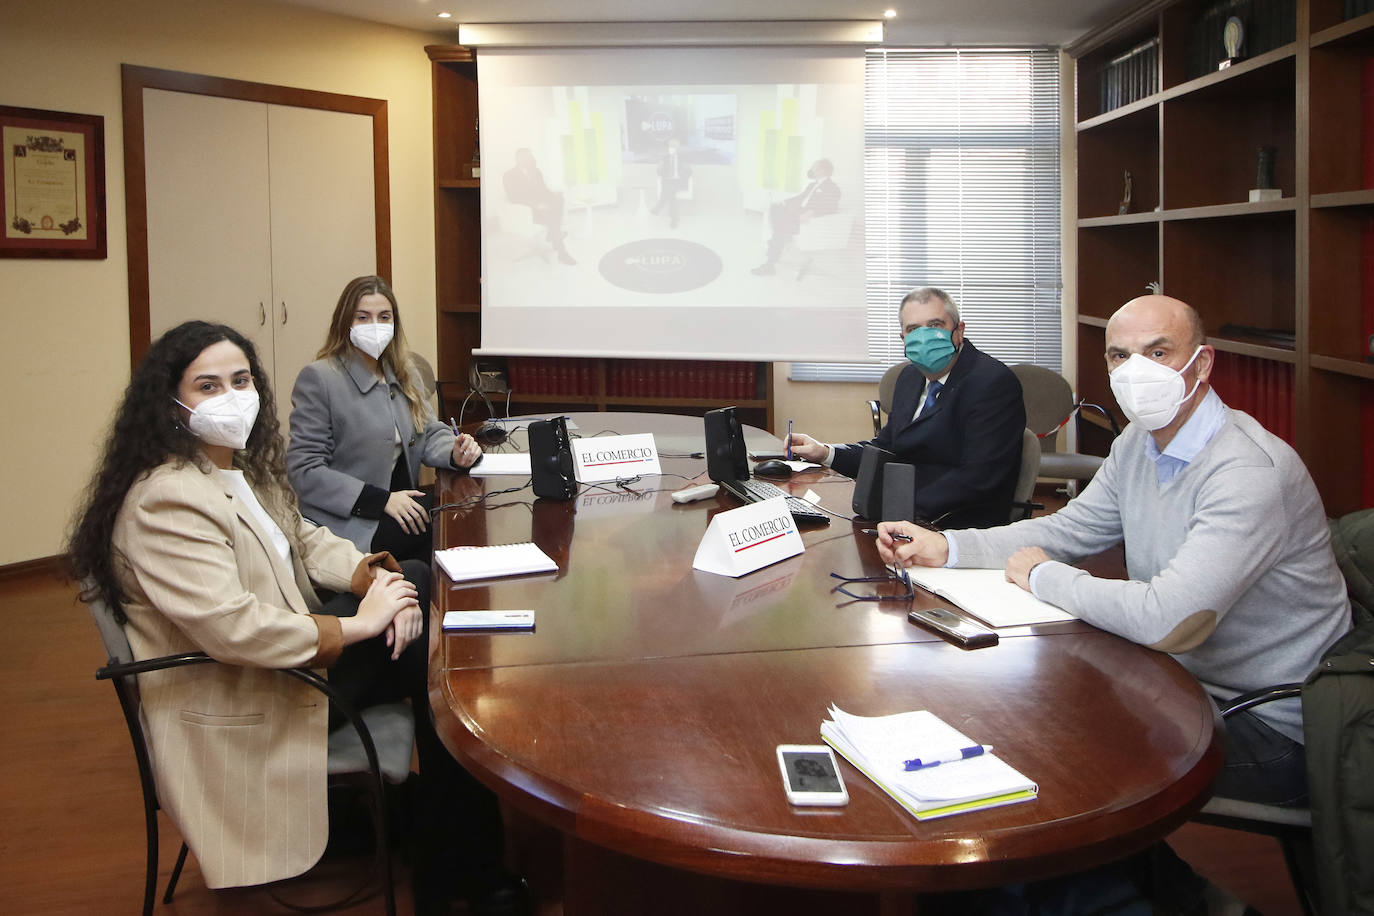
pixel 53 194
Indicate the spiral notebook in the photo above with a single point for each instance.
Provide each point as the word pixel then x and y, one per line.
pixel 878 746
pixel 462 564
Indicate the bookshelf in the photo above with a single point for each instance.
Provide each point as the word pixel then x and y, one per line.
pixel 1285 287
pixel 546 384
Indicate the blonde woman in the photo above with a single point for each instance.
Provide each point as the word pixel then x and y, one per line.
pixel 361 427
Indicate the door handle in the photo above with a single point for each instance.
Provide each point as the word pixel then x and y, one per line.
pixel 262 314
pixel 283 311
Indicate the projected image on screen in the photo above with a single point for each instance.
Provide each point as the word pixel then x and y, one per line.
pixel 703 127
pixel 741 198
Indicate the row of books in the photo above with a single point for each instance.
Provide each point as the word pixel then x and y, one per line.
pixel 681 378
pixel 1262 388
pixel 552 375
pixel 1129 76
pixel 1268 24
pixel 570 377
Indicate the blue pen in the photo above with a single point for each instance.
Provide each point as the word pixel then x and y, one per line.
pixel 923 763
pixel 789 438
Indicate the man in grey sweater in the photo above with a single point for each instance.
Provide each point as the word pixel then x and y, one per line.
pixel 1227 546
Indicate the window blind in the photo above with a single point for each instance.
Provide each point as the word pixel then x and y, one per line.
pixel 961 191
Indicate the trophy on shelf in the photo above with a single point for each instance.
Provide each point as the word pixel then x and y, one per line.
pixel 1232 37
pixel 476 150
pixel 1125 206
pixel 1266 188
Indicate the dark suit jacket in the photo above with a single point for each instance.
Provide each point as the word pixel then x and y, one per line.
pixel 526 187
pixel 824 200
pixel 966 447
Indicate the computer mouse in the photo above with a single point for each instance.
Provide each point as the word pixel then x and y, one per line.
pixel 772 468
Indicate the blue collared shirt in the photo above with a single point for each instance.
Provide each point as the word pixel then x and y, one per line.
pixel 1209 417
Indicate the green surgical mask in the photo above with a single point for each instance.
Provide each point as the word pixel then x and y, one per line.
pixel 931 349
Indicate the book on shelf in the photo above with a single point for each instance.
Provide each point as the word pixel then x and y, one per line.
pixel 1130 76
pixel 881 746
pixel 1263 388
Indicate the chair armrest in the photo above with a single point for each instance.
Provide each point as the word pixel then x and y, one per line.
pixel 1116 430
pixel 114 670
pixel 876 409
pixel 1261 696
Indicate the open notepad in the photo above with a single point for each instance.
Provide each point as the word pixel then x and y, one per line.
pixel 987 595
pixel 880 746
pixel 465 563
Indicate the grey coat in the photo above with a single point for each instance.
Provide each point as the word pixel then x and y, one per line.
pixel 343 428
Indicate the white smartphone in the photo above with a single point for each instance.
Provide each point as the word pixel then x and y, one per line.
pixel 810 776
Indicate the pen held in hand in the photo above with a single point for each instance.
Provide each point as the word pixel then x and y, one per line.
pixel 925 763
pixel 894 535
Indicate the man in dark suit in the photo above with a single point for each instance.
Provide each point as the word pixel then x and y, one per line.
pixel 673 175
pixel 524 184
pixel 957 415
pixel 819 198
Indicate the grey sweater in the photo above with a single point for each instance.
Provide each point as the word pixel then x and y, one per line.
pixel 1230 562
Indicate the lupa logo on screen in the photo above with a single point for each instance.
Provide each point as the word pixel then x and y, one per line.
pixel 660 266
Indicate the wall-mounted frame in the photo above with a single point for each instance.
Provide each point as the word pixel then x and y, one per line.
pixel 53 196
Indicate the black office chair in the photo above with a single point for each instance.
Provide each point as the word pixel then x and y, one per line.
pixel 353 755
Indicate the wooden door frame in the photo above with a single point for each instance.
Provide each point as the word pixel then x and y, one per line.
pixel 135 79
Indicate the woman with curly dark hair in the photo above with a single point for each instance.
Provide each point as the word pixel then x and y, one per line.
pixel 192 536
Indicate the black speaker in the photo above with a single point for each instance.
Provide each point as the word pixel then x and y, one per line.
pixel 726 456
pixel 551 463
pixel 868 486
pixel 899 492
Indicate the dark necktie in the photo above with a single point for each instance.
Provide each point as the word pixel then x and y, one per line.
pixel 932 392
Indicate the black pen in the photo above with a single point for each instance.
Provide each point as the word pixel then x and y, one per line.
pixel 894 536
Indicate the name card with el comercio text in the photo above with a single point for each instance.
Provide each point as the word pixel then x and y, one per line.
pixel 748 538
pixel 615 457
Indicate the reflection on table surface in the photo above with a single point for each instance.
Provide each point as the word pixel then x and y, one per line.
pixel 642 713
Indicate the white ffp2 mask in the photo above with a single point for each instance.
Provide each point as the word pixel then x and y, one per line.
pixel 1151 393
pixel 225 419
pixel 372 338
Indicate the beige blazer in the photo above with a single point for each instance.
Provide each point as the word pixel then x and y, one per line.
pixel 238 750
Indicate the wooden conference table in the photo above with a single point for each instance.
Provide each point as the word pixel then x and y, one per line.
pixel 642 714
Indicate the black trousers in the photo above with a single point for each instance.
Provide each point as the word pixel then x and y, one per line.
pixel 391 536
pixel 458 843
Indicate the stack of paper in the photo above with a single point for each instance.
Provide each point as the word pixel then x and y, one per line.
pixel 880 746
pixel 987 595
pixel 465 563
pixel 496 464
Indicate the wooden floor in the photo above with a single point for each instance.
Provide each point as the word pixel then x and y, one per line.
pixel 71 826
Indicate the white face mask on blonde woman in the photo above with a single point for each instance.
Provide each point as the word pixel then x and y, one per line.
pixel 372 338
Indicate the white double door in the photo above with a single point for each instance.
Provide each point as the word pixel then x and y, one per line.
pixel 258 215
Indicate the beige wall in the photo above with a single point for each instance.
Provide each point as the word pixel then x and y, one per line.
pixel 830 411
pixel 66 322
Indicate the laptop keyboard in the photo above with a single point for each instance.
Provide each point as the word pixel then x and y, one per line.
pixel 756 491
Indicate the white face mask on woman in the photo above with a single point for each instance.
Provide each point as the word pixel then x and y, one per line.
pixel 1151 393
pixel 225 419
pixel 371 338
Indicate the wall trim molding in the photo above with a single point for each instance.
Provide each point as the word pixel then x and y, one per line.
pixel 54 566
